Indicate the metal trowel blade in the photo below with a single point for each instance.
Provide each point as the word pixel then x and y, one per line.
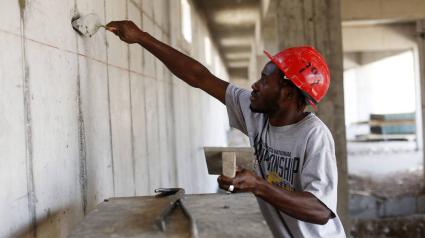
pixel 88 25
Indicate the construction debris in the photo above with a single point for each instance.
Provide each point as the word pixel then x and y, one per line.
pixel 393 185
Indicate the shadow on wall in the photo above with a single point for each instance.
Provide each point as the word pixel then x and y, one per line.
pixel 46 226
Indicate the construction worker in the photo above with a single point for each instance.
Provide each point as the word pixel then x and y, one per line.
pixel 295 178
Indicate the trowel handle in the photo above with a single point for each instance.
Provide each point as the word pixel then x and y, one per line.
pixel 229 164
pixel 109 28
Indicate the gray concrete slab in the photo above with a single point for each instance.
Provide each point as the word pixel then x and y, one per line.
pixel 119 99
pixel 55 136
pixel 183 139
pixel 94 109
pixel 141 168
pixel 14 192
pixel 162 126
pixel 97 134
pixel 158 10
pixel 52 76
pixel 121 132
pixel 166 10
pixel 137 3
pixel 164 153
pixel 149 60
pixel 141 162
pixel 216 215
pixel 169 115
pixel 148 7
pixel 151 101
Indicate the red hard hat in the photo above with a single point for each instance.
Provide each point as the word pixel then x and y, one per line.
pixel 307 69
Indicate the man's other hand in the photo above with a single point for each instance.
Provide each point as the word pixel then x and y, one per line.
pixel 127 31
pixel 244 181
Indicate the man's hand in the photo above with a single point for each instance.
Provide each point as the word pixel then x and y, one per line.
pixel 244 181
pixel 126 30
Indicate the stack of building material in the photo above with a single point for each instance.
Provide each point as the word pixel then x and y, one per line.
pixel 400 126
pixel 401 123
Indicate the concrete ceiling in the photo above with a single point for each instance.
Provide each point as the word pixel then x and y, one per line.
pixel 232 25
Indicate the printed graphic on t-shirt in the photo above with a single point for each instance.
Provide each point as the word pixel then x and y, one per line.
pixel 277 167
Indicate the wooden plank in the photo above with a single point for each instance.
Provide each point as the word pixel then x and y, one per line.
pixel 217 215
pixel 393 117
pixel 213 156
pixel 229 164
pixel 378 137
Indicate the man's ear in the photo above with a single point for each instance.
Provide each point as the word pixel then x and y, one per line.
pixel 290 93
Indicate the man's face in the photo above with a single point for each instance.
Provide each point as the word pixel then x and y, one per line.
pixel 266 91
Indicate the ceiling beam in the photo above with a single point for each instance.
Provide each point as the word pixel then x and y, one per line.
pixel 358 10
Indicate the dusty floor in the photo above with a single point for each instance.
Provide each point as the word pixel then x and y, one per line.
pixel 386 169
pixel 396 227
pixel 393 185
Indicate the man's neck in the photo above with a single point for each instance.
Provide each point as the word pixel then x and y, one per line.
pixel 286 117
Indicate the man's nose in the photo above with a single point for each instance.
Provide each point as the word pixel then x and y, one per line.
pixel 254 86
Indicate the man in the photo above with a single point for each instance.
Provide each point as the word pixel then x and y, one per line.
pixel 295 179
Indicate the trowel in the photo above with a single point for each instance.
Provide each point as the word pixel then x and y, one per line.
pixel 89 25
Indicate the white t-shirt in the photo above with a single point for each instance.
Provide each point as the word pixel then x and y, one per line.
pixel 298 157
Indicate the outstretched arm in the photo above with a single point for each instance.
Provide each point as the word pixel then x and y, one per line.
pixel 184 67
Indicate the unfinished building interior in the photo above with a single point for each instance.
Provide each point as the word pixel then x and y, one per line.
pixel 84 119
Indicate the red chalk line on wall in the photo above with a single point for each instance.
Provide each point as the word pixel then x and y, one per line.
pixel 85 56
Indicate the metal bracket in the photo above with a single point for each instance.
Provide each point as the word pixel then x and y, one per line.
pixel 177 198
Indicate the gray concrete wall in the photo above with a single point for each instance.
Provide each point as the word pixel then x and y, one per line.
pixel 84 119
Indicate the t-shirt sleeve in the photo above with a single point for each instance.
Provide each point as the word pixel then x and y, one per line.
pixel 320 177
pixel 237 103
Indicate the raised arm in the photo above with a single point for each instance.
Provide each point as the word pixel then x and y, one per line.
pixel 184 67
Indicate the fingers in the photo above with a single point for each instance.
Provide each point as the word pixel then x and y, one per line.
pixel 112 29
pixel 226 181
pixel 120 24
pixel 115 26
pixel 112 24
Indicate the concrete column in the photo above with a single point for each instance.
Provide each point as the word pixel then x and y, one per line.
pixel 318 24
pixel 420 29
pixel 268 35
